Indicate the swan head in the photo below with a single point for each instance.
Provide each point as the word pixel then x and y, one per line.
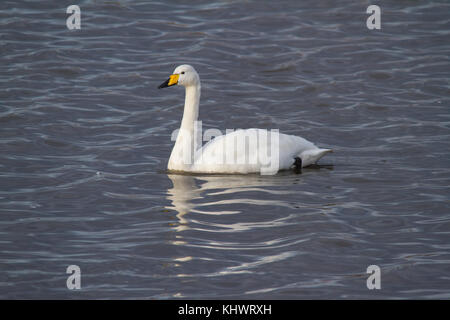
pixel 184 75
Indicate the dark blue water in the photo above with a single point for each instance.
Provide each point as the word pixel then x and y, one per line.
pixel 85 137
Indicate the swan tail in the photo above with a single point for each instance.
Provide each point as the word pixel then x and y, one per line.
pixel 311 156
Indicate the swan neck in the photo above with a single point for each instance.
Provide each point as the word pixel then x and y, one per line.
pixel 186 145
pixel 191 105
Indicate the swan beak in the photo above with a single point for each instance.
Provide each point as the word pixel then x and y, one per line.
pixel 173 79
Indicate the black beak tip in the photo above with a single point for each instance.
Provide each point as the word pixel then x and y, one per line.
pixel 165 84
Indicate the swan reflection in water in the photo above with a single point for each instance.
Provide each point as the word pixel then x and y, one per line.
pixel 199 201
pixel 214 194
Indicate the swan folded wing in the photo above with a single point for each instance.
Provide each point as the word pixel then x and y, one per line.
pixel 235 152
pixel 252 150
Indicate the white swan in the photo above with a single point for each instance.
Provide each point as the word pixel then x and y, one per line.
pixel 242 151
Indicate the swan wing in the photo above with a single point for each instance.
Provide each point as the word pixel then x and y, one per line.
pixel 253 150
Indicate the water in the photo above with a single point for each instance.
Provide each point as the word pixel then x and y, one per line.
pixel 85 139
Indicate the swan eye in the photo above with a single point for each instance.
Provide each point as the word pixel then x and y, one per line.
pixel 182 72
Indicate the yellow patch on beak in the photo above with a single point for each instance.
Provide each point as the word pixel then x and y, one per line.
pixel 173 79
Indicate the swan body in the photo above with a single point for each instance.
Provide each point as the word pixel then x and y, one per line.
pixel 241 151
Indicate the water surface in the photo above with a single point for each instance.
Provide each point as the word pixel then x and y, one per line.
pixel 85 138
